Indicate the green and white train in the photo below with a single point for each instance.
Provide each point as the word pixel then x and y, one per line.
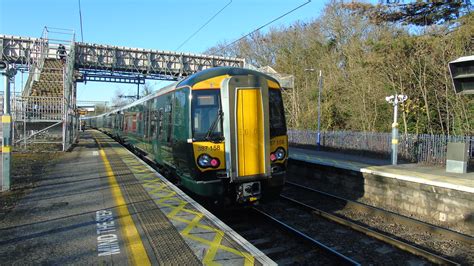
pixel 221 132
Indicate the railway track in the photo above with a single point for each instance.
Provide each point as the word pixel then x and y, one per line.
pixel 365 249
pixel 280 241
pixel 431 242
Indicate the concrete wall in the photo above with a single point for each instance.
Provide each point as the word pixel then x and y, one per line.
pixel 447 207
pixel 436 205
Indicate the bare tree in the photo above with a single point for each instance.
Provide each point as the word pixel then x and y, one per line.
pixel 146 89
pixel 362 62
pixel 118 100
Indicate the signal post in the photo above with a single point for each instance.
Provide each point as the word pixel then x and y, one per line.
pixel 8 73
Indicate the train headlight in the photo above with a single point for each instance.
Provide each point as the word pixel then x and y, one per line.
pixel 204 160
pixel 280 153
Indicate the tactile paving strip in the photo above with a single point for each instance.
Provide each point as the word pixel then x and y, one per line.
pixel 167 244
pixel 210 244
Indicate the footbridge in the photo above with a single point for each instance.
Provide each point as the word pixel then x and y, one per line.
pixel 46 111
pixel 109 63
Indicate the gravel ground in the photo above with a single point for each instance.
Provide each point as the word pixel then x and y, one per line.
pixel 25 169
pixel 293 251
pixel 450 249
pixel 361 248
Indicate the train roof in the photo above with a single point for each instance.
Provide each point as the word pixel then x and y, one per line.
pixel 220 71
pixel 191 80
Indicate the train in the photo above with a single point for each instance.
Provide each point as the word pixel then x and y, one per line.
pixel 220 133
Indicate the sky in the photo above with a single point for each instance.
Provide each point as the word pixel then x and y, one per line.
pixel 149 24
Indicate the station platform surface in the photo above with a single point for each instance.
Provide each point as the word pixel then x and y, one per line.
pixel 100 204
pixel 430 175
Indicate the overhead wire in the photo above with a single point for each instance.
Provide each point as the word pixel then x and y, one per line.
pixel 263 26
pixel 80 19
pixel 204 25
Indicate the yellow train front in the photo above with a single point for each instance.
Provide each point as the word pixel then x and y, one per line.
pixel 239 140
pixel 220 132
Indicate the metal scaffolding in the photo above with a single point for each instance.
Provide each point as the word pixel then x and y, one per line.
pixel 44 113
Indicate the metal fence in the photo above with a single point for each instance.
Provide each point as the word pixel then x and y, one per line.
pixel 35 108
pixel 424 148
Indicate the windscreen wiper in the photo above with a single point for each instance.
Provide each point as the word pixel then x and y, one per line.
pixel 214 125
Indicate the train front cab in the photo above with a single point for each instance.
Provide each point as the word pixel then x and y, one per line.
pixel 239 138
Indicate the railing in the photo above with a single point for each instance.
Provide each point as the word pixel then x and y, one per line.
pixel 34 108
pixel 69 116
pixel 427 149
pixel 132 60
pixel 35 60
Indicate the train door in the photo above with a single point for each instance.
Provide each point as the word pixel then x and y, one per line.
pixel 147 121
pixel 154 128
pixel 182 152
pixel 167 131
pixel 120 123
pixel 246 128
pixel 164 129
pixel 133 123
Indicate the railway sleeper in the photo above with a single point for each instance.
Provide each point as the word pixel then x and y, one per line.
pixel 261 242
pixel 251 233
pixel 274 252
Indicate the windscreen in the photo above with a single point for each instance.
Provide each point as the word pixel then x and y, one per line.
pixel 205 107
pixel 277 113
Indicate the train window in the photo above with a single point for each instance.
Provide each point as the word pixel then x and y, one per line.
pixel 168 109
pixel 160 123
pixel 205 108
pixel 181 114
pixel 139 124
pixel 277 115
pixel 145 120
pixel 153 121
pixel 206 100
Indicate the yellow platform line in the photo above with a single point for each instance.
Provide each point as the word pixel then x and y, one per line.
pixel 132 239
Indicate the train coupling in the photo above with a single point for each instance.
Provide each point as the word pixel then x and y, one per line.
pixel 249 192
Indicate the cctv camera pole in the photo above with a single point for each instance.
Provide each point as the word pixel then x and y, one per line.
pixel 395 100
pixel 395 131
pixel 6 123
pixel 318 140
pixel 320 87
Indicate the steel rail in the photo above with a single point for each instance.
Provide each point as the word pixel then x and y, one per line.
pixel 441 232
pixel 384 238
pixel 343 259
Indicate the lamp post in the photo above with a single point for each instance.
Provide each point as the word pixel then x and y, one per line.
pixel 320 87
pixel 395 100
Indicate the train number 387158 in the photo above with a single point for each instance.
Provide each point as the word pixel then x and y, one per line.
pixel 209 148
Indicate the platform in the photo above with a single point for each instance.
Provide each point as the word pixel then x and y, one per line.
pixel 425 192
pixel 430 175
pixel 100 204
